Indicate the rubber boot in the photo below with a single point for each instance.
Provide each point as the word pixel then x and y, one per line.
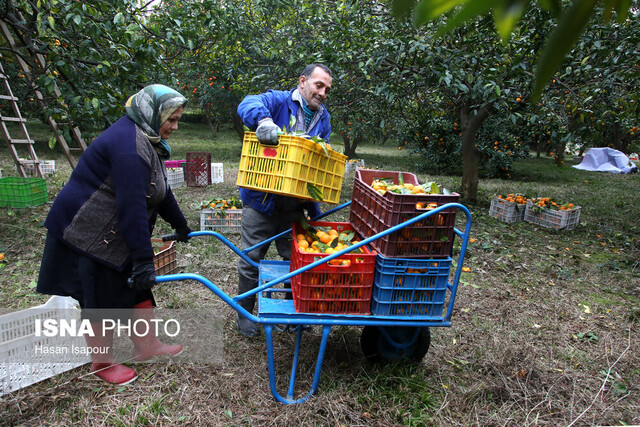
pixel 103 365
pixel 244 325
pixel 148 346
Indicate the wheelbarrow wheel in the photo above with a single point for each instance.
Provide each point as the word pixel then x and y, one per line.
pixel 404 343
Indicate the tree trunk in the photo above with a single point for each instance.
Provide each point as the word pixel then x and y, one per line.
pixel 238 126
pixel 207 117
pixel 347 145
pixel 471 123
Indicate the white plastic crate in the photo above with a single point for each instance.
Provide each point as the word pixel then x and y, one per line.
pixel 47 167
pixel 353 164
pixel 228 220
pixel 217 173
pixel 175 177
pixel 506 211
pixel 567 219
pixel 21 363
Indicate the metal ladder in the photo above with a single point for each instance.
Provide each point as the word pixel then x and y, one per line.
pixel 30 161
pixel 69 151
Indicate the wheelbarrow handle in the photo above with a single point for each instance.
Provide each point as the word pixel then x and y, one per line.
pixel 170 237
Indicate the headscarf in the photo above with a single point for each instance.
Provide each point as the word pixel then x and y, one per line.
pixel 150 108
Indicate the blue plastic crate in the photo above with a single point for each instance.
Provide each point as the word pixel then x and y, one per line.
pixel 410 287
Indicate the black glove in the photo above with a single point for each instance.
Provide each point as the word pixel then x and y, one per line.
pixel 267 132
pixel 182 234
pixel 143 275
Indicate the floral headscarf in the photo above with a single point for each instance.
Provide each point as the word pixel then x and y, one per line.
pixel 150 108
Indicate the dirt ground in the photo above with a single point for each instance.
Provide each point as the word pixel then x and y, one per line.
pixel 541 334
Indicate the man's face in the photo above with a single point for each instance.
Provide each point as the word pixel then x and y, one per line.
pixel 170 124
pixel 315 88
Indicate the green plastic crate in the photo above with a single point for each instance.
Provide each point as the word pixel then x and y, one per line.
pixel 18 192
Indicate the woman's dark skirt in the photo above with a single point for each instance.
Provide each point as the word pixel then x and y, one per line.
pixel 95 286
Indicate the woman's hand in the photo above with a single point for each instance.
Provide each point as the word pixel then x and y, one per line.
pixel 143 275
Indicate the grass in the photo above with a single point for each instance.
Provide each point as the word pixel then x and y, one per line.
pixel 544 330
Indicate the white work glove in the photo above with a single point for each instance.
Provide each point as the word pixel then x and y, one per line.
pixel 267 132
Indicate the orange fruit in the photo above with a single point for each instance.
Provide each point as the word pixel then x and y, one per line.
pixel 303 244
pixel 300 237
pixel 325 238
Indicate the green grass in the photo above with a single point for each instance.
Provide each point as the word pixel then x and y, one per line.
pixel 510 357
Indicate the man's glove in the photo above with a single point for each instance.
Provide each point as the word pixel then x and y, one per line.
pixel 182 234
pixel 267 132
pixel 143 275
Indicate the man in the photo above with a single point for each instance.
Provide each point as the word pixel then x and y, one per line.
pixel 264 214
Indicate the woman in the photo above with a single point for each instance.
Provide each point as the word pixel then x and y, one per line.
pixel 98 246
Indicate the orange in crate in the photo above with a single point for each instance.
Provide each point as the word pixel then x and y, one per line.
pixel 340 287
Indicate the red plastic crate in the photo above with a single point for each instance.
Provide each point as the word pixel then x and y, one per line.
pixel 334 289
pixel 372 213
pixel 198 169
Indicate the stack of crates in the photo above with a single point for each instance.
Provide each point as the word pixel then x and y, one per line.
pixel 175 177
pixel 413 264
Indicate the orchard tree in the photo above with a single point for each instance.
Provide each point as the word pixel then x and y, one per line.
pixel 96 52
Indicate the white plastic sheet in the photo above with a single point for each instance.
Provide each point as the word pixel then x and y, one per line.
pixel 606 160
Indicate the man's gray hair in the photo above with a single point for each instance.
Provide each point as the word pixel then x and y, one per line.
pixel 308 70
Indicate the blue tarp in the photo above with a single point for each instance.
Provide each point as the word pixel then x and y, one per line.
pixel 606 160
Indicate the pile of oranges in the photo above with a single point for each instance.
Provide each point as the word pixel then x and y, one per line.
pixel 548 203
pixel 326 242
pixel 232 203
pixel 514 198
pixel 382 186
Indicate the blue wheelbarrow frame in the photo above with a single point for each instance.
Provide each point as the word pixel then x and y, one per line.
pixel 272 311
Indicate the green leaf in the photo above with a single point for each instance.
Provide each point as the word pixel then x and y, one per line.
pixel 401 8
pixel 292 121
pixel 470 10
pixel 77 19
pixel 95 103
pixel 560 42
pixel 52 142
pixel 427 10
pixel 119 18
pixel 314 192
pixel 431 188
pixel 400 178
pixel 324 147
pixel 507 14
pixel 52 22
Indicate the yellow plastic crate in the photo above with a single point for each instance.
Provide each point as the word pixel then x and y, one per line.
pixel 288 167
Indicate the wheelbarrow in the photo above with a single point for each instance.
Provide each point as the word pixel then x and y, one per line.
pixel 384 337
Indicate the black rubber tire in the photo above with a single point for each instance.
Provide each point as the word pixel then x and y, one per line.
pixel 376 348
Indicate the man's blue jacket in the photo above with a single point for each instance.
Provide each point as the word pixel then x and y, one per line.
pixel 278 105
